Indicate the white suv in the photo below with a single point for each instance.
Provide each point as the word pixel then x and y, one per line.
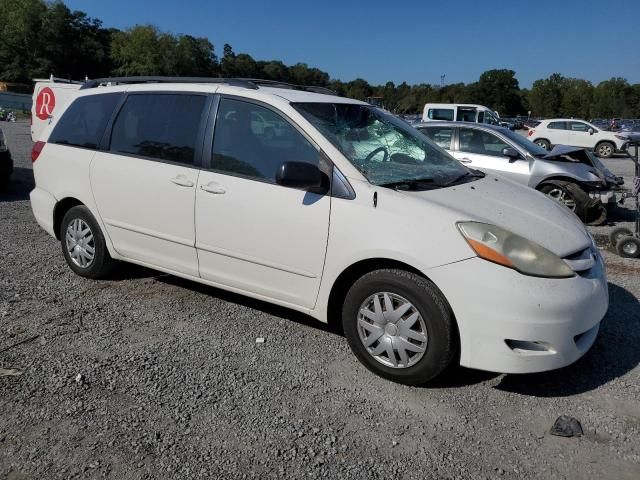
pixel 342 212
pixel 577 133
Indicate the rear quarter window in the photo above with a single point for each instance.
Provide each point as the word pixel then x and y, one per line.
pixel 441 136
pixel 557 126
pixel 84 122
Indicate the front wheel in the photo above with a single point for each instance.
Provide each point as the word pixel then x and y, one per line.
pixel 605 149
pixel 83 244
pixel 570 195
pixel 399 326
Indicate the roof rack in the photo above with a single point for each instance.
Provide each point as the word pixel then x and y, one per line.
pixel 57 80
pixel 132 80
pixel 251 83
pixel 278 84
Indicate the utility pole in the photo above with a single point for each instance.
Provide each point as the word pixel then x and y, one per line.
pixel 442 79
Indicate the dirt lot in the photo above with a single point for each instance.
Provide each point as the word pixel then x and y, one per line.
pixel 149 376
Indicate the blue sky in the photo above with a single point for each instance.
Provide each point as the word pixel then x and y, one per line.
pixel 405 40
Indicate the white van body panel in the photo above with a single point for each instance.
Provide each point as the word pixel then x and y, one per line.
pixel 49 99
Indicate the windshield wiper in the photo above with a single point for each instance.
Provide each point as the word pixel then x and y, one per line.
pixel 469 174
pixel 412 184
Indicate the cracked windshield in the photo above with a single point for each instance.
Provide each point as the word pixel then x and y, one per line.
pixel 383 148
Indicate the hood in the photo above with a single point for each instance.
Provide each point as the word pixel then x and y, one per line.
pixel 519 209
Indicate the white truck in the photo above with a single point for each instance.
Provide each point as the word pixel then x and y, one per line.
pixel 49 96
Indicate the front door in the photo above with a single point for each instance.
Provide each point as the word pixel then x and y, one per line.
pixel 251 234
pixel 579 135
pixel 145 184
pixel 483 150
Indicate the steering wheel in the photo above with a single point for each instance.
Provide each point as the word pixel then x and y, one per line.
pixel 377 151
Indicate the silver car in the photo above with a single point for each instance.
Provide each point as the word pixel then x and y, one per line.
pixel 572 176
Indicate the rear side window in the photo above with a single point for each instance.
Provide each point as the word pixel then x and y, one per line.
pixel 579 127
pixel 467 115
pixel 83 123
pixel 160 126
pixel 440 114
pixel 557 126
pixel 441 136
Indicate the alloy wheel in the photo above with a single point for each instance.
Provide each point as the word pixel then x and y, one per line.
pixel 565 198
pixel 605 150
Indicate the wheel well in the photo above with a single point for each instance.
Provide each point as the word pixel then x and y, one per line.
pixel 604 141
pixel 61 208
pixel 541 138
pixel 561 179
pixel 350 275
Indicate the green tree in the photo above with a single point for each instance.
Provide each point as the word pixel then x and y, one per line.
pixel 613 98
pixel 499 90
pixel 577 98
pixel 545 97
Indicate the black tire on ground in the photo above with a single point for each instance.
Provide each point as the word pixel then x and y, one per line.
pixel 570 191
pixel 597 215
pixel 628 247
pixel 102 263
pixel 541 142
pixel 617 233
pixel 605 149
pixel 441 332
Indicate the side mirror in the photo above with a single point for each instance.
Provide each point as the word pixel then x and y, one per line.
pixel 512 153
pixel 591 131
pixel 299 175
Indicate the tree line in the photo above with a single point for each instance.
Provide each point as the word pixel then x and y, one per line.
pixel 39 38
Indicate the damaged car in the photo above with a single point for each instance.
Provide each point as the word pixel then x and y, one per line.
pixel 572 176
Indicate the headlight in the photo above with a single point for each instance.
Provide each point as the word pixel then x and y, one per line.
pixel 505 248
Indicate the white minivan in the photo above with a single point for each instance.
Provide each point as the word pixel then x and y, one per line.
pixel 342 212
pixel 460 113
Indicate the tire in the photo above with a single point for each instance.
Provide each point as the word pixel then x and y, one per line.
pixel 617 233
pixel 75 238
pixel 541 142
pixel 421 349
pixel 628 247
pixel 605 149
pixel 570 195
pixel 597 215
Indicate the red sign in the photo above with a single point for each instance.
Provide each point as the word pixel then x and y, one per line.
pixel 45 103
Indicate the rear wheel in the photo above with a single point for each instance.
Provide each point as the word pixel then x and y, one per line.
pixel 399 326
pixel 628 247
pixel 83 244
pixel 605 149
pixel 541 142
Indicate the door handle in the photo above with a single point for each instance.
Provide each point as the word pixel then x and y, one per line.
pixel 465 160
pixel 213 188
pixel 182 181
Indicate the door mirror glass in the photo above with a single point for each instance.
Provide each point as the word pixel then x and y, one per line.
pixel 510 152
pixel 299 175
pixel 591 131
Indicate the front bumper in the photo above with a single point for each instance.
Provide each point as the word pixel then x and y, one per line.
pixel 605 196
pixel 514 323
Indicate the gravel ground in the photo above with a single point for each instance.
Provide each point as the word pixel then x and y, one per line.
pixel 150 376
